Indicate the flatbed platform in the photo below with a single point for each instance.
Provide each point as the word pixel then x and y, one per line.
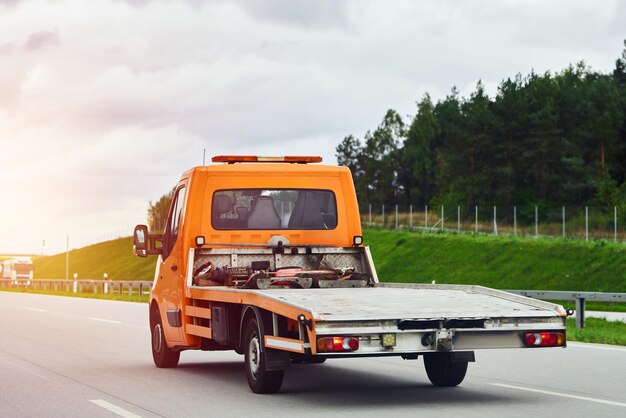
pixel 390 301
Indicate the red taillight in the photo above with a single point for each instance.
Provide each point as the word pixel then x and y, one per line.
pixel 338 344
pixel 544 339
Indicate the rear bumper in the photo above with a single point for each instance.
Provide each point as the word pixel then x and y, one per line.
pixel 497 333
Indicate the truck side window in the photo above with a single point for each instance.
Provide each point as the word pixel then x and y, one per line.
pixel 173 223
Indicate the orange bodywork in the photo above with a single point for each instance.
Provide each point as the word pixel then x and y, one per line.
pixel 200 184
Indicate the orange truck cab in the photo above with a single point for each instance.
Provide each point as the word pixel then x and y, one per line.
pixel 265 256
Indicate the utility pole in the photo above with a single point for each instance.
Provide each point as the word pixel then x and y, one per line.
pixel 67 257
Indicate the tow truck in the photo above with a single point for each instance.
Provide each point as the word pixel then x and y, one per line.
pixel 18 270
pixel 265 256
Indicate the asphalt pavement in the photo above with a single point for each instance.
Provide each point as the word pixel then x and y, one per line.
pixel 71 357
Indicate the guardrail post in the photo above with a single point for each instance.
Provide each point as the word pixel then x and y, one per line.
pixel 580 312
pixel 121 287
pixel 130 289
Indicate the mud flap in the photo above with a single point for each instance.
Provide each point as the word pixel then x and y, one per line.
pixel 462 356
pixel 274 359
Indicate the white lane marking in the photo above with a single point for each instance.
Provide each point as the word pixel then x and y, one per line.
pixel 114 408
pixel 36 309
pixel 596 346
pixel 105 320
pixel 562 395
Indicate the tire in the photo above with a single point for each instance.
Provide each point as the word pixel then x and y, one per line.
pixel 442 371
pixel 163 356
pixel 260 379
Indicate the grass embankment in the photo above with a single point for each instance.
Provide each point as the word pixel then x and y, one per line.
pixel 499 262
pixel 115 258
pixel 597 330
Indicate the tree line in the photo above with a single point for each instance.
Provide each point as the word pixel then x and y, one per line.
pixel 545 139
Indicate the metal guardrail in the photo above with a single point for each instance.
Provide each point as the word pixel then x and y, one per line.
pixel 129 287
pixel 579 297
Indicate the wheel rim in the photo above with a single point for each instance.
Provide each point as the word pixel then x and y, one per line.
pixel 157 339
pixel 254 355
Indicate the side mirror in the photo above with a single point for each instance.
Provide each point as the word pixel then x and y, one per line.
pixel 144 244
pixel 140 245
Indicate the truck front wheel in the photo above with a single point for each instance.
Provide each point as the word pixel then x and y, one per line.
pixel 163 356
pixel 260 379
pixel 442 371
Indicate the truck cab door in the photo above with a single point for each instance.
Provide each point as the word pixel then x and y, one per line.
pixel 171 271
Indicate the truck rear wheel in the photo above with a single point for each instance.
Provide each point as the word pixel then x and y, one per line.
pixel 260 379
pixel 442 371
pixel 163 356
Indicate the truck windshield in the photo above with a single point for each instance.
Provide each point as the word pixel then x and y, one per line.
pixel 274 209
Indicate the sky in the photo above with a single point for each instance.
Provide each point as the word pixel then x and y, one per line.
pixel 104 103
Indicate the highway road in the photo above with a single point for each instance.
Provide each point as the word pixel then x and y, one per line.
pixel 70 357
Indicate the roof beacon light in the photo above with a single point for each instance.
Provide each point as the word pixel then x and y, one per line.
pixel 231 159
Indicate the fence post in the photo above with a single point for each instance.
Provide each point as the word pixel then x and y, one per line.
pixel 383 215
pixel 458 219
pixel 580 313
pixel 476 224
pixel 426 216
pixel 615 223
pixel 536 222
pixel 410 216
pixel 396 216
pixel 140 289
pixel 130 288
pixel 442 218
pixel 95 286
pixel 586 223
pixel 515 221
pixel 495 223
pixel 563 221
pixel 370 205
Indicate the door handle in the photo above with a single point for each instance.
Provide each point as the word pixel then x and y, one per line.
pixel 174 267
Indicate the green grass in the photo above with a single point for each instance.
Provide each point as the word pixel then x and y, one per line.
pixel 597 330
pixel 499 262
pixel 115 258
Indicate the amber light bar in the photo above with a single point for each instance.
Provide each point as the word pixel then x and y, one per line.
pixel 265 159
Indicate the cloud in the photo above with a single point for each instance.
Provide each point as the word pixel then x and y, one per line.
pixel 305 13
pixel 112 115
pixel 7 48
pixel 9 3
pixel 43 39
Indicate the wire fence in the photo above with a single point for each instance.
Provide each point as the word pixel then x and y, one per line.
pixel 582 223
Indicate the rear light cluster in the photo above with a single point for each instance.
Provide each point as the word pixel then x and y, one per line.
pixel 326 344
pixel 544 339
